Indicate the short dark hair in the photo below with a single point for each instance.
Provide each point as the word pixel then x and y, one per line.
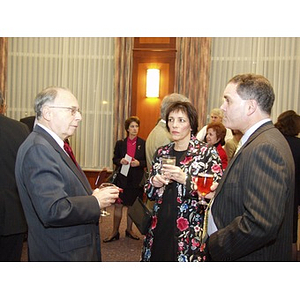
pixel 253 86
pixel 130 120
pixel 288 123
pixel 220 130
pixel 187 108
pixel 167 100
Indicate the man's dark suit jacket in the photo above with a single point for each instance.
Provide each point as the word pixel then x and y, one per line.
pixel 12 135
pixel 29 121
pixel 253 205
pixel 61 213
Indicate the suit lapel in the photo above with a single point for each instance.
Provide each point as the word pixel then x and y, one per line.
pixel 65 157
pixel 252 137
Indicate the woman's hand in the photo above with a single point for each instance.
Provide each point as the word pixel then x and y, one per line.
pixel 123 161
pixel 213 189
pixel 158 181
pixel 174 173
pixel 134 163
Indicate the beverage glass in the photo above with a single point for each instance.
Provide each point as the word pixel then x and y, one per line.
pixel 204 182
pixel 168 160
pixel 104 212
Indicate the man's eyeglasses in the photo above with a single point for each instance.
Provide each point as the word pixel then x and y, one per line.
pixel 73 109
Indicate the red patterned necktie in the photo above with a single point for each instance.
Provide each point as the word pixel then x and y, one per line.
pixel 68 149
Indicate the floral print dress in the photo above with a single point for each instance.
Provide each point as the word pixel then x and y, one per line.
pixel 179 231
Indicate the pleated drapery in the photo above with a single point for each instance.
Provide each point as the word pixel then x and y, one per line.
pixel 99 72
pixel 84 65
pixel 277 58
pixel 123 84
pixel 192 72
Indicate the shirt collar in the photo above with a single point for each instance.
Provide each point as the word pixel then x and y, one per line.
pixel 58 140
pixel 248 133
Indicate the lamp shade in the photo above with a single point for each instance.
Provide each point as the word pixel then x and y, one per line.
pixel 152 85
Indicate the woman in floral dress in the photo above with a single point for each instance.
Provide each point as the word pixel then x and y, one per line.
pixel 176 229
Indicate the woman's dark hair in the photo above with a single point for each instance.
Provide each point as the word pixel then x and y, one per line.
pixel 220 130
pixel 130 120
pixel 288 123
pixel 187 108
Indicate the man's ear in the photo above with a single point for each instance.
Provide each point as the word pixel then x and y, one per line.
pixel 252 106
pixel 46 112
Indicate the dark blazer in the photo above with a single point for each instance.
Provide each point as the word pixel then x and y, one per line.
pixel 12 135
pixel 253 204
pixel 61 213
pixel 135 175
pixel 294 143
pixel 29 121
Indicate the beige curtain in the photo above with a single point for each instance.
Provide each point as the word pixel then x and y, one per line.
pixel 123 84
pixel 86 65
pixel 277 58
pixel 192 72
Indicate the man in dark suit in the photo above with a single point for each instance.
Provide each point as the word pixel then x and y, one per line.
pixel 12 220
pixel 60 207
pixel 251 214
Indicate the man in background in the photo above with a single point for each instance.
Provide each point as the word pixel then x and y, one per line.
pixel 13 225
pixel 29 121
pixel 216 116
pixel 60 207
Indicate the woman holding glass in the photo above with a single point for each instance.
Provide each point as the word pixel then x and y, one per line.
pixel 175 232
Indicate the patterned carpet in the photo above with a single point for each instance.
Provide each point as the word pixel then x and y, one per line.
pixel 125 249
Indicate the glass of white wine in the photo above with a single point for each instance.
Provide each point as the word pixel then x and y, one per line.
pixel 168 160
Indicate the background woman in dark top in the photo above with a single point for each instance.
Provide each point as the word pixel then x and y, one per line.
pixel 175 232
pixel 133 146
pixel 289 125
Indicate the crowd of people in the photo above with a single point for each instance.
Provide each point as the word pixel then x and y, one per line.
pixel 250 211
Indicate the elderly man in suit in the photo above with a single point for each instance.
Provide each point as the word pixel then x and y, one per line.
pixel 251 214
pixel 60 207
pixel 12 220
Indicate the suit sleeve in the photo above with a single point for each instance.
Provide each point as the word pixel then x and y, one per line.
pixel 56 194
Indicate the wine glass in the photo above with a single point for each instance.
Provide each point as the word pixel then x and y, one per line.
pixel 168 160
pixel 204 182
pixel 104 212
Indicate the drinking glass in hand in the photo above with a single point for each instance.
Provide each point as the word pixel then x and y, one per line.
pixel 168 160
pixel 104 212
pixel 204 182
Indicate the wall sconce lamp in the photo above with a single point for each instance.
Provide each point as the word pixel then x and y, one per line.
pixel 152 83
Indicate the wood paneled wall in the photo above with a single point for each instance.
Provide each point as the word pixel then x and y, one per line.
pixel 148 53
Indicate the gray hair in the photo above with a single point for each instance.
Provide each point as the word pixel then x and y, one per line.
pixel 47 95
pixel 217 112
pixel 168 100
pixel 253 86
